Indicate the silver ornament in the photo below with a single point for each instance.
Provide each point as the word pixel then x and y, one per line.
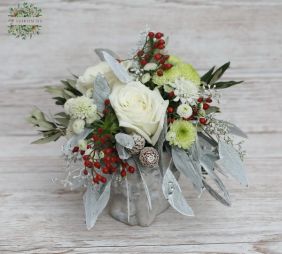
pixel 139 144
pixel 149 157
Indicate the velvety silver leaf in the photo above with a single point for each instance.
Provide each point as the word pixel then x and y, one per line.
pixel 128 193
pixel 73 141
pixel 207 162
pixel 122 152
pixel 173 194
pixel 206 141
pixel 117 68
pixel 188 167
pixel 216 195
pixel 160 146
pixel 233 129
pixel 146 189
pixel 94 203
pixel 101 92
pixel 231 162
pixel 125 140
pixel 99 52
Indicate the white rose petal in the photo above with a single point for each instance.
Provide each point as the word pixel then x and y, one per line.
pixel 139 109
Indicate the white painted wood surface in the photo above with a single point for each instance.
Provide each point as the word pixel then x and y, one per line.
pixel 38 216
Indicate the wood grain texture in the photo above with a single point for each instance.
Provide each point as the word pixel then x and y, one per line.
pixel 40 216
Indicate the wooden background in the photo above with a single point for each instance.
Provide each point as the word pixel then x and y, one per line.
pixel 38 216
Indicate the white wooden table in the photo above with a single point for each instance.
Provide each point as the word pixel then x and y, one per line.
pixel 38 216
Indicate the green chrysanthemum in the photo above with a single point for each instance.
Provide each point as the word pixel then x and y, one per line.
pixel 178 70
pixel 174 60
pixel 182 134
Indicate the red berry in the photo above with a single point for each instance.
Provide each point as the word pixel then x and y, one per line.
pixel 208 100
pixel 85 172
pixel 82 152
pixel 105 111
pixel 170 110
pixel 95 180
pixel 162 61
pixel 160 73
pixel 131 169
pixel 107 102
pixel 75 149
pixel 105 170
pixel 159 35
pixel 161 46
pixel 107 136
pixel 206 106
pixel 103 179
pixel 108 150
pixel 113 170
pixel 100 130
pixel 88 146
pixel 147 57
pixel 140 53
pixel 143 62
pixel 167 66
pixel 170 94
pixel 151 35
pixel 85 157
pixel 203 120
pixel 103 140
pixel 88 164
pixel 161 41
pixel 97 164
pixel 166 57
pixel 200 100
pixel 95 137
pixel 123 173
pixel 158 56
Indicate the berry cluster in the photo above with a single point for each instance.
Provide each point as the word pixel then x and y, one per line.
pixel 152 53
pixel 100 156
pixel 197 113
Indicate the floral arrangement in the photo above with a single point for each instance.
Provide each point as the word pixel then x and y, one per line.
pixel 121 117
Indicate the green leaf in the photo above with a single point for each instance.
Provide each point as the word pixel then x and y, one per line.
pixel 60 100
pixel 208 75
pixel 226 84
pixel 69 87
pixel 62 121
pixel 62 114
pixel 48 139
pixel 219 72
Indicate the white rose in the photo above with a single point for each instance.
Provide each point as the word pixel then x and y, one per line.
pixel 86 81
pixel 184 110
pixel 139 109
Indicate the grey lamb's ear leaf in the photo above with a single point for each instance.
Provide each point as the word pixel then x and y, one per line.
pixel 94 203
pixel 99 52
pixel 173 194
pixel 188 167
pixel 216 195
pixel 122 153
pixel 117 68
pixel 233 129
pixel 207 161
pixel 101 92
pixel 125 140
pixel 73 141
pixel 231 162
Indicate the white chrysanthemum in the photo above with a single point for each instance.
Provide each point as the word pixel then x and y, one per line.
pixel 78 126
pixel 81 108
pixel 184 110
pixel 185 90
